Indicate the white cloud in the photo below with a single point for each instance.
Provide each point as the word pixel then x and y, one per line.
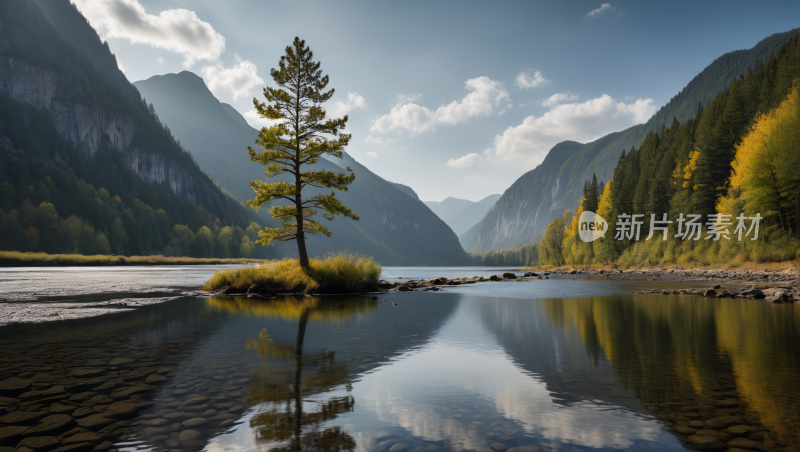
pixel 176 30
pixel 161 60
pixel 558 98
pixel 484 96
pixel 583 122
pixel 233 82
pixel 378 140
pixel 527 80
pixel 252 117
pixel 599 11
pixel 338 108
pixel 466 161
pixel 372 154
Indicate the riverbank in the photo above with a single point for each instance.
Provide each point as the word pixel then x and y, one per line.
pixel 20 259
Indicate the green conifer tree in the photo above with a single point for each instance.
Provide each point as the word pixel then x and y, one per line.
pixel 295 142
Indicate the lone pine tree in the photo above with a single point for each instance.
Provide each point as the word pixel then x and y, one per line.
pixel 298 139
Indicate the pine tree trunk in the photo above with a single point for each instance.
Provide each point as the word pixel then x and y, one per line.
pixel 301 250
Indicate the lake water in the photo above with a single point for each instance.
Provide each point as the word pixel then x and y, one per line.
pixel 550 365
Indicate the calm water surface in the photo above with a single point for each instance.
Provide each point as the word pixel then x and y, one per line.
pixel 553 365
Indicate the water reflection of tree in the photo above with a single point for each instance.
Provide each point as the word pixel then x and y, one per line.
pixel 697 353
pixel 291 374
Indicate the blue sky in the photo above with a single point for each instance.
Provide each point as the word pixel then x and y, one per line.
pixel 451 98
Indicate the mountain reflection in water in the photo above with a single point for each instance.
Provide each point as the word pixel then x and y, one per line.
pixel 437 371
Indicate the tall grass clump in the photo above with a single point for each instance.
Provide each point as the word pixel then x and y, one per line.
pixel 335 273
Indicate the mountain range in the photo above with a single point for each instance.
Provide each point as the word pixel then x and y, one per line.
pixel 394 227
pixel 522 213
pixel 461 214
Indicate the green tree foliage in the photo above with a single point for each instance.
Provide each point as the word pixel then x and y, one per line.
pixel 592 190
pixel 550 246
pixel 525 256
pixel 295 143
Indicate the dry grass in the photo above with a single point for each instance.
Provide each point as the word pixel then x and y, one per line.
pixel 340 273
pixel 20 259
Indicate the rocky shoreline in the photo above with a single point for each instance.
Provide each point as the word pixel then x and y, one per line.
pixel 776 287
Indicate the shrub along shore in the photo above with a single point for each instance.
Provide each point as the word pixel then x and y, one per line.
pixel 21 259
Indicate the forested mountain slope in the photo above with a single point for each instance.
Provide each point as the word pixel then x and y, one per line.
pixel 737 156
pixel 515 221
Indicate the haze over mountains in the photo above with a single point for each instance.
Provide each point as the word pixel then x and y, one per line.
pixel 395 227
pixel 521 215
pixel 462 214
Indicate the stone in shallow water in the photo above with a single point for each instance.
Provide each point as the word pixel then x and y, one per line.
pixel 156 422
pixel 745 443
pixel 51 424
pixel 82 437
pixel 500 447
pixel 21 417
pixel 82 411
pixel 685 429
pixel 723 421
pixel 722 436
pixel 188 437
pixel 86 371
pixel 13 385
pixel 706 442
pixel 11 433
pixel 40 442
pixel 95 421
pixel 79 447
pixel 194 422
pixel 155 378
pixel 105 445
pixel 58 389
pixel 734 429
pixel 118 361
pixel 124 410
pixel 195 400
pixel 130 390
pixel 58 408
pixel 82 396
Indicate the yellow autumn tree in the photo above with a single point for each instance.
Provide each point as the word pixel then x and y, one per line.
pixel 765 177
pixel 604 250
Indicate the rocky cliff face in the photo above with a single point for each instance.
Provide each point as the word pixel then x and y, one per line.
pixel 515 219
pixel 77 120
pixel 79 117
